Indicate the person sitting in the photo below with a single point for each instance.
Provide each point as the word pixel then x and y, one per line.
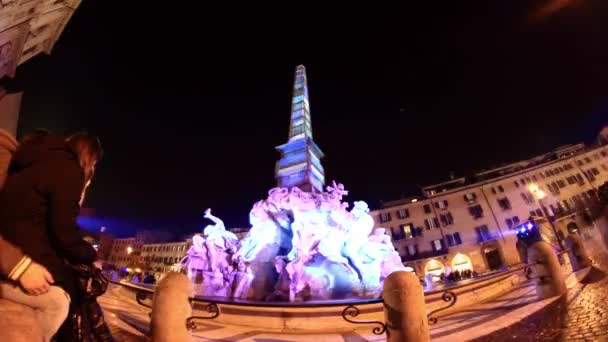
pixel 38 210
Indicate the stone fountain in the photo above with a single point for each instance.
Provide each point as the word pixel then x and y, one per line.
pixel 302 246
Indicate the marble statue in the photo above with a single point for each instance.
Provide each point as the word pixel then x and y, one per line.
pixel 301 246
pixel 196 259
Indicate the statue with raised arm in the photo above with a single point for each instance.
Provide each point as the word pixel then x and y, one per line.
pixel 219 243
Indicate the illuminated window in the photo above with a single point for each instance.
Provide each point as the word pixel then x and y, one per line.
pixel 437 245
pixel 407 231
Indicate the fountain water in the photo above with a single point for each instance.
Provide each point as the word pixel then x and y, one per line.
pixel 301 246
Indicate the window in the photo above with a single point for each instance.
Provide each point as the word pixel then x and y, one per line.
pixel 534 179
pixel 595 171
pixel 403 213
pixel 553 188
pixel 561 183
pixel 470 197
pixel 579 162
pixel 385 217
pixel 476 211
pixel 427 209
pixel 580 179
pixel 450 239
pixel 528 197
pixel 516 184
pixel 501 189
pixel 441 204
pixel 437 245
pixel 447 219
pixel 493 190
pixel 417 231
pixel 457 239
pixel 504 203
pixel 512 221
pixel 587 160
pixel 407 230
pixel 412 249
pixel 453 239
pixel 431 223
pixel 566 206
pixel 483 233
pixel 539 212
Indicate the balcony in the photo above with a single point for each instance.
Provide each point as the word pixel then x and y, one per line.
pixel 487 237
pixel 424 255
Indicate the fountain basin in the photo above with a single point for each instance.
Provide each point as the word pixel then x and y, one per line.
pixel 328 316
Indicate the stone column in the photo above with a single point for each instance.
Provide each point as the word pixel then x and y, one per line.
pixel 546 269
pixel 171 308
pixel 577 252
pixel 404 308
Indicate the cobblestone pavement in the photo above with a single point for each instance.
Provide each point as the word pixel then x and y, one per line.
pixel 582 316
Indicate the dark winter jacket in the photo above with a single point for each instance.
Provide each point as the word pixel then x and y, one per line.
pixel 39 206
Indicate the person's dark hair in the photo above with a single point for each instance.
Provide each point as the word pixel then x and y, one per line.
pixel 86 140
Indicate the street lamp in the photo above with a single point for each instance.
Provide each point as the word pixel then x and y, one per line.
pixel 539 194
pixel 129 250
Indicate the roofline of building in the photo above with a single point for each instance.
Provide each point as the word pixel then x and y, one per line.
pixel 425 197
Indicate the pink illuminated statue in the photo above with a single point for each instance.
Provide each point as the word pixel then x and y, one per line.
pixel 196 260
pixel 219 242
pixel 301 246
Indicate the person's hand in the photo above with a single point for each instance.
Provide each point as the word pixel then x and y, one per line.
pixel 36 279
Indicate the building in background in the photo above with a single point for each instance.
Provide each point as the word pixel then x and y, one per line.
pixel 468 223
pixel 121 252
pixel 164 257
pixel 127 252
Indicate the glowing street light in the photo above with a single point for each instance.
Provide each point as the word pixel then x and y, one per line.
pixel 129 250
pixel 539 194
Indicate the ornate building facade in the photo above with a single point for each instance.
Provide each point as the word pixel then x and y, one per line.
pixel 468 223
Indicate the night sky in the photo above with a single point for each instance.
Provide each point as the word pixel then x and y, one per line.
pixel 190 101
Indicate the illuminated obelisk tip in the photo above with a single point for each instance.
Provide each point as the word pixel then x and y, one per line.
pixel 300 163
